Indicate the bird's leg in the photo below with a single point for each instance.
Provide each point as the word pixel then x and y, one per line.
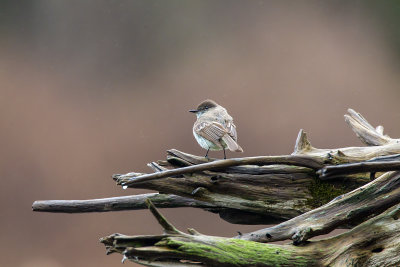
pixel 224 153
pixel 206 156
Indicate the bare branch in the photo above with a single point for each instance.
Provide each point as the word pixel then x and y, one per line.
pixel 367 134
pixel 380 164
pixel 135 202
pixel 168 227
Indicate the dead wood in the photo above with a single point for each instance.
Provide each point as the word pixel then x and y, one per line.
pixel 255 190
pixel 373 243
pixel 134 202
pixel 349 209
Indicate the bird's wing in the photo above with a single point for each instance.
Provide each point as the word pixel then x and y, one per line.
pixel 215 132
pixel 212 131
pixel 231 129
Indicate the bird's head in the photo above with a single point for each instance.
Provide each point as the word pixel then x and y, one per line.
pixel 204 106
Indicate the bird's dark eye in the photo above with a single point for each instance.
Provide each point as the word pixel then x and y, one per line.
pixel 206 108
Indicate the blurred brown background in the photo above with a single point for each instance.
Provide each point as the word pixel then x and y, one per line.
pixel 92 88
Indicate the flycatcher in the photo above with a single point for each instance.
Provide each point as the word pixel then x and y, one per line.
pixel 214 128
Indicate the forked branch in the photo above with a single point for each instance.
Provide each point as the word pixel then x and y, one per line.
pixel 366 132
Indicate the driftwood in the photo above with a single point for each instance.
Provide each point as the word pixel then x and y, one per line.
pixel 309 193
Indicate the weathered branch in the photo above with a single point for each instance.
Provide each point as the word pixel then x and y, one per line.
pixel 378 144
pixel 246 190
pixel 366 132
pixel 380 164
pixel 302 161
pixel 134 202
pixel 377 240
pixel 352 208
pixel 166 225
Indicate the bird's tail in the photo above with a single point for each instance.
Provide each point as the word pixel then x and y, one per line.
pixel 231 144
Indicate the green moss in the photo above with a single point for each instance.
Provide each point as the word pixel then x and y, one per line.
pixel 235 252
pixel 322 192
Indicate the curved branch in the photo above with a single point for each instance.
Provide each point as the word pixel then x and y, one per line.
pixel 302 161
pixel 304 155
pixel 368 135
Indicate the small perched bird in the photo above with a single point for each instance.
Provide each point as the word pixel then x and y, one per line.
pixel 214 128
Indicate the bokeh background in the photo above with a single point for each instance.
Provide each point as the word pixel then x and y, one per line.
pixel 92 88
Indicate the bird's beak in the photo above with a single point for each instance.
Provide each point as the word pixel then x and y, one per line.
pixel 193 110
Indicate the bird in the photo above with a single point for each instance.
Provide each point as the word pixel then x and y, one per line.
pixel 214 128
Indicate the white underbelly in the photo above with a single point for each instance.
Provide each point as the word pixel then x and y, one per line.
pixel 204 143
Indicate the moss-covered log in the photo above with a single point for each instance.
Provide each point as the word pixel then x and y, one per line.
pixel 200 250
pixel 374 243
